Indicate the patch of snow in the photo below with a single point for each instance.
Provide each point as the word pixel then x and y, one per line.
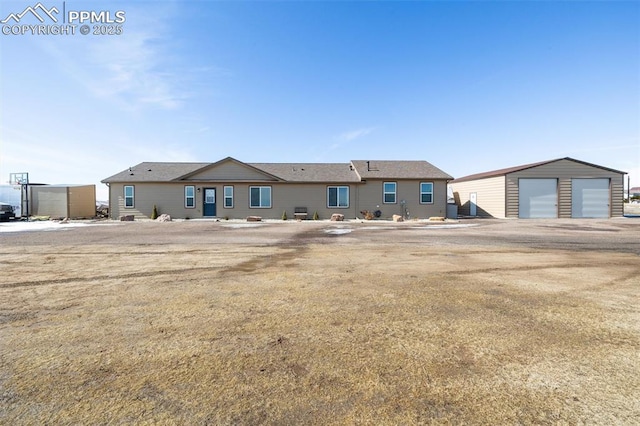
pixel 45 225
pixel 243 225
pixel 459 225
pixel 338 231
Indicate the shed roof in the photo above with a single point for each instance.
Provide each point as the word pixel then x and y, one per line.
pixel 502 172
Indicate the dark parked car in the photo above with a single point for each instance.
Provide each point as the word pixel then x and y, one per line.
pixel 6 212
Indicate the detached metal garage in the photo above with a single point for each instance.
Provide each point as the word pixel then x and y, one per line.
pixel 562 188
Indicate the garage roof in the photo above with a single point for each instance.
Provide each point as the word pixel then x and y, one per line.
pixel 502 172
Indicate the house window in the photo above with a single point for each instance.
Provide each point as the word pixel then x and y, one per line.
pixel 190 197
pixel 338 196
pixel 228 197
pixel 128 197
pixel 426 192
pixel 260 197
pixel 389 192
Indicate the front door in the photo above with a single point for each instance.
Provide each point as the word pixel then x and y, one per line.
pixel 209 202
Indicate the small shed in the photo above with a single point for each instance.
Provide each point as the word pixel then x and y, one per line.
pixel 561 188
pixel 60 201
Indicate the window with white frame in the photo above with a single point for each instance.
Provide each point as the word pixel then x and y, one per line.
pixel 338 196
pixel 389 192
pixel 129 200
pixel 190 196
pixel 426 192
pixel 228 197
pixel 260 197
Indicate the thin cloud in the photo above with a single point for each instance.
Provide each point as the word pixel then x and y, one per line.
pixel 356 134
pixel 129 69
pixel 130 72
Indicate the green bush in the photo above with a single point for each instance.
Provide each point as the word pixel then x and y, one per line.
pixel 154 213
pixel 284 215
pixel 315 215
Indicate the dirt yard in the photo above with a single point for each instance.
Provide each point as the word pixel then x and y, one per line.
pixel 201 322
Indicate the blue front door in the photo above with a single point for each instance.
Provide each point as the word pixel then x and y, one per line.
pixel 209 202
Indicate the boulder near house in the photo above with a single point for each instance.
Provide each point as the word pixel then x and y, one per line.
pixel 232 189
pixel 561 188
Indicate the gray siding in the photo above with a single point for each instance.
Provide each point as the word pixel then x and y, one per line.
pixel 169 199
pixel 285 197
pixel 564 171
pixel 370 197
pixel 230 171
pixel 490 196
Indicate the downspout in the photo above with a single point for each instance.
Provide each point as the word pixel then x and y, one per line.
pixel 67 204
pixel 109 202
pixel 357 201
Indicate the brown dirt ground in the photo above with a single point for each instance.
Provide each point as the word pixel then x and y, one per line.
pixel 506 322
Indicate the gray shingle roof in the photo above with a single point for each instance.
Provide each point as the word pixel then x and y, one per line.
pixel 155 172
pixel 310 172
pixel 290 172
pixel 389 169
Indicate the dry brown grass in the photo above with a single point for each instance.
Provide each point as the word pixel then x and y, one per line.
pixel 317 334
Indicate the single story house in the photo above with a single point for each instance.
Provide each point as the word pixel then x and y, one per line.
pixel 232 189
pixel 561 188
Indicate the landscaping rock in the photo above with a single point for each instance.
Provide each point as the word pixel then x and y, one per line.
pixel 254 219
pixel 337 217
pixel 127 218
pixel 397 218
pixel 164 218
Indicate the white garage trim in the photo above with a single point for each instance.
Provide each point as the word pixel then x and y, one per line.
pixel 590 198
pixel 538 198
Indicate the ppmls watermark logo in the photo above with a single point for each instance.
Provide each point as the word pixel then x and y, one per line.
pixel 42 20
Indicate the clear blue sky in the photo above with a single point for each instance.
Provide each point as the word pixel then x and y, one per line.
pixel 467 86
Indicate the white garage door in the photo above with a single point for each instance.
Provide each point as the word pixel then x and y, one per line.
pixel 538 198
pixel 590 198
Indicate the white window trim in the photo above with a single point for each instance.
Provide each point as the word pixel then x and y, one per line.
pixel 133 196
pixel 225 197
pixel 395 193
pixel 270 197
pixel 338 197
pixel 186 197
pixel 432 190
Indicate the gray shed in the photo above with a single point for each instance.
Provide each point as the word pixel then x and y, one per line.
pixel 60 201
pixel 561 188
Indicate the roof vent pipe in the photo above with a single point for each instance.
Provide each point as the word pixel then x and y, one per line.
pixel 368 166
